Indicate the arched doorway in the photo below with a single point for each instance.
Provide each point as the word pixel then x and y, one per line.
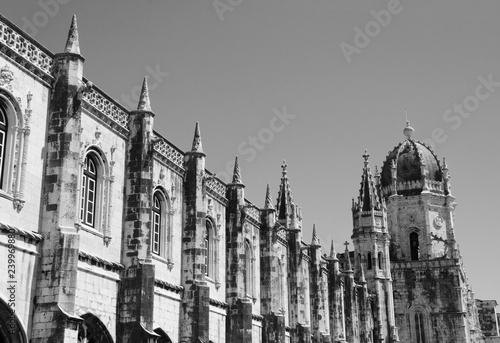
pixel 163 336
pixel 11 330
pixel 92 330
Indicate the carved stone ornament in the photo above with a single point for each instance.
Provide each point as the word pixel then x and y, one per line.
pixel 106 240
pixel 6 77
pixel 438 222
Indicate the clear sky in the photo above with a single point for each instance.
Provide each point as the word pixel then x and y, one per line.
pixel 335 75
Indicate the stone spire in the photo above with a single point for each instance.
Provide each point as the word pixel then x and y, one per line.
pixel 347 257
pixel 268 205
pixel 236 172
pixel 333 254
pixel 315 240
pixel 72 43
pixel 362 279
pixel 285 200
pixel 144 103
pixel 368 195
pixel 197 147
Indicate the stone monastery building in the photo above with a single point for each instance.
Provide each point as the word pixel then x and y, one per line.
pixel 110 233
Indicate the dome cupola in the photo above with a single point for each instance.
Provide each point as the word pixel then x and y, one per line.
pixel 411 168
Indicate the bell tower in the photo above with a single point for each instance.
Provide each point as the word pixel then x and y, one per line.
pixel 371 250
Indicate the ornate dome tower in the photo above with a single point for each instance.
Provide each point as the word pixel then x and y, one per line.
pixel 429 281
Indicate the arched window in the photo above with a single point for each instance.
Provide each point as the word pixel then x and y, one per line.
pixel 95 193
pixel 414 246
pixel 248 270
pixel 3 141
pixel 14 144
pixel 88 191
pixel 157 236
pixel 369 260
pixel 380 256
pixel 281 288
pixel 419 327
pixel 209 245
pixel 419 324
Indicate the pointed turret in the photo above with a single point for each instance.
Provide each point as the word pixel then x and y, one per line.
pixel 236 172
pixel 333 254
pixel 288 212
pixel 284 193
pixel 197 147
pixel 72 43
pixel 368 194
pixel 268 204
pixel 315 240
pixel 446 178
pixel 144 103
pixel 347 258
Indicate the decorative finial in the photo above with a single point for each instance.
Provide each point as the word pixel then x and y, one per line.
pixel 236 172
pixel 144 103
pixel 197 147
pixel 445 166
pixel 408 131
pixel 283 166
pixel 366 156
pixel 315 240
pixel 72 43
pixel 269 202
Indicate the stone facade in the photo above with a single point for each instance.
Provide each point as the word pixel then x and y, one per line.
pixel 110 233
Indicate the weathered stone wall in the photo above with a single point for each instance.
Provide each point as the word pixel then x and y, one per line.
pixel 26 218
pixel 435 288
pixel 97 294
pixel 167 307
pixel 217 318
pixel 257 331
